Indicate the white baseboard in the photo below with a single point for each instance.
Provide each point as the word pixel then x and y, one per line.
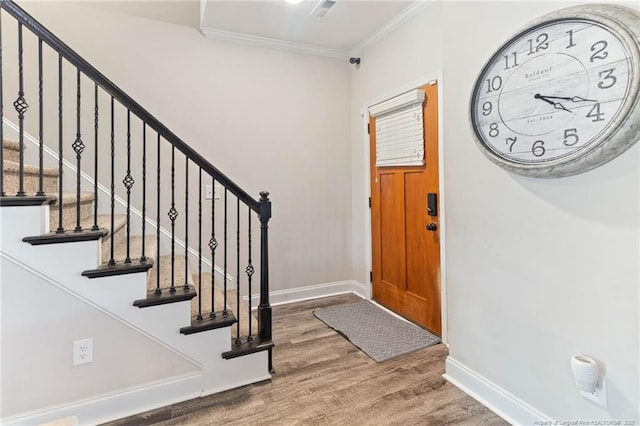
pixel 498 400
pixel 115 406
pixel 299 294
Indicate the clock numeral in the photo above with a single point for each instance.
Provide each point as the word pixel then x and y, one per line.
pixel 511 142
pixel 595 113
pixel 599 48
pixel 571 43
pixel 487 108
pixel 541 41
pixel 607 77
pixel 507 62
pixel 494 83
pixel 538 149
pixel 570 133
pixel 493 130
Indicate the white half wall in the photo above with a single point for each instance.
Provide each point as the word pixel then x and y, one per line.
pixel 538 270
pixel 40 322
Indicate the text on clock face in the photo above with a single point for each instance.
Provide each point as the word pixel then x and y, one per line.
pixel 552 91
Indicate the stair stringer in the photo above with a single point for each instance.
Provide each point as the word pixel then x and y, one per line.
pixel 63 264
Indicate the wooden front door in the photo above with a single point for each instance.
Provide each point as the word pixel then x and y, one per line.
pixel 405 238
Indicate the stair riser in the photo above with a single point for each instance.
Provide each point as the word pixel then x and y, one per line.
pixel 31 183
pixel 10 154
pixel 69 214
pixel 119 239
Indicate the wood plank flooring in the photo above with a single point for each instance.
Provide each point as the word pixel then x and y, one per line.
pixel 322 379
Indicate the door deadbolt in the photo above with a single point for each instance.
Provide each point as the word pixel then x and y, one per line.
pixel 432 227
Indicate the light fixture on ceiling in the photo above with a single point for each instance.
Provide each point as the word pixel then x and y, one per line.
pixel 322 8
pixel 293 1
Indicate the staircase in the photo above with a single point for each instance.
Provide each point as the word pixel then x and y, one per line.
pixel 142 254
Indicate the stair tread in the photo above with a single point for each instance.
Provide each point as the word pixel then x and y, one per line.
pixel 69 197
pixel 12 145
pixel 14 166
pixel 242 314
pixel 104 221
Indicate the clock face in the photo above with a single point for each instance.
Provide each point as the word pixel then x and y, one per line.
pixel 553 93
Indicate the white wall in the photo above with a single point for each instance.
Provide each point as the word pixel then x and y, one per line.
pixel 270 120
pixel 40 322
pixel 537 270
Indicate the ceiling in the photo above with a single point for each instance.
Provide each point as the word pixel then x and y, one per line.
pixel 344 30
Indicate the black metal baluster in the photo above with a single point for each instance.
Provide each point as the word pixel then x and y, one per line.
pixel 95 162
pixel 264 309
pixel 200 243
pixel 2 194
pixel 60 145
pixel 40 123
pixel 224 309
pixel 128 183
pixel 21 107
pixel 249 270
pixel 213 244
pixel 157 260
pixel 238 341
pixel 173 214
pixel 143 258
pixel 186 223
pixel 78 146
pixel 113 182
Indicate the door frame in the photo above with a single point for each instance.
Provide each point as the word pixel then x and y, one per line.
pixel 364 112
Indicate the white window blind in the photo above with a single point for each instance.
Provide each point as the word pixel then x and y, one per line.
pixel 399 130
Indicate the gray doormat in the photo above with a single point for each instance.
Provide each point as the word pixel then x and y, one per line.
pixel 374 331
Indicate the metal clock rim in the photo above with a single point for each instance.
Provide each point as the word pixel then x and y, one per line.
pixel 628 112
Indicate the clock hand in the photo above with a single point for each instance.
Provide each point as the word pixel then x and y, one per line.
pixel 556 105
pixel 572 99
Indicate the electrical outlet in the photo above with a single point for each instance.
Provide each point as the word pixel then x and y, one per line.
pixel 212 192
pixel 82 352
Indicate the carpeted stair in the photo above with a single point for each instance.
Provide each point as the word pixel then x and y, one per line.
pixel 182 273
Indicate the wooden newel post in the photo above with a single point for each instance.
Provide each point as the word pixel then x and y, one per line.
pixel 264 309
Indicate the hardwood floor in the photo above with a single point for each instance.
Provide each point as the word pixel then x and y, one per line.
pixel 322 379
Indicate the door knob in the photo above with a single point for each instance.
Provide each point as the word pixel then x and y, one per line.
pixel 432 227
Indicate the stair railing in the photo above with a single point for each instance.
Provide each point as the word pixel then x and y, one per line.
pixel 117 99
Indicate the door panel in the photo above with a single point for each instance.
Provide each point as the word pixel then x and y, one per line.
pixel 392 230
pixel 406 256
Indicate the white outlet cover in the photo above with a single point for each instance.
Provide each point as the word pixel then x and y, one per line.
pixel 82 352
pixel 599 396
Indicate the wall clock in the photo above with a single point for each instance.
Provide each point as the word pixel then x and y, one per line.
pixel 561 96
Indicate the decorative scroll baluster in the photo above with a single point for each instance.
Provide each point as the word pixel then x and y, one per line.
pixel 78 146
pixel 173 214
pixel 113 183
pixel 21 107
pixel 128 184
pixel 264 309
pixel 238 341
pixel 157 265
pixel 213 244
pixel 224 308
pixel 143 258
pixel 40 123
pixel 2 194
pixel 95 162
pixel 60 145
pixel 186 223
pixel 249 270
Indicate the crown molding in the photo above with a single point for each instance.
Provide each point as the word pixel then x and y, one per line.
pixel 390 26
pixel 273 43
